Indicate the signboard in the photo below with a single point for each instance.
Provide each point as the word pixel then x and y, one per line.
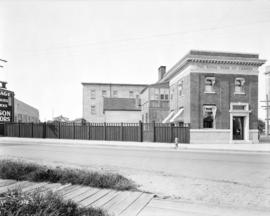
pixel 6 106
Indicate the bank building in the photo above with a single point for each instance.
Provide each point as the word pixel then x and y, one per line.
pixel 217 93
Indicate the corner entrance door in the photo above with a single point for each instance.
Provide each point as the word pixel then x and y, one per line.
pixel 238 128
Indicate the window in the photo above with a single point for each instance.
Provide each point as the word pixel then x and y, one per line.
pixel 209 115
pixel 164 94
pixel 156 93
pixel 239 85
pixel 93 94
pixel 115 93
pixel 172 92
pixel 131 94
pixel 93 110
pixel 209 84
pixel 104 93
pixel 180 88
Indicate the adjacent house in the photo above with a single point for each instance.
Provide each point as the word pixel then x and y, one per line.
pixel 155 100
pixel 94 94
pixel 217 93
pixel 117 110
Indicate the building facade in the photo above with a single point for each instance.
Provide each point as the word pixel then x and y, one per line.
pixel 94 94
pixel 217 93
pixel 267 92
pixel 122 110
pixel 155 100
pixel 24 112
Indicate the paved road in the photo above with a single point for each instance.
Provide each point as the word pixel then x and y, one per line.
pixel 167 172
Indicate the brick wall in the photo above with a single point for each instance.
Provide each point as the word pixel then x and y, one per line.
pixel 223 96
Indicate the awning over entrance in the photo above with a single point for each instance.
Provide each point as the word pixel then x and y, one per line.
pixel 178 116
pixel 167 119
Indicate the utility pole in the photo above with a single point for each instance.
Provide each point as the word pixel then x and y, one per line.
pixel 267 108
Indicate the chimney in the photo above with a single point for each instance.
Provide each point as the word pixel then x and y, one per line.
pixel 161 72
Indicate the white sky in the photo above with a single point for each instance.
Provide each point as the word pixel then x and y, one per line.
pixel 53 46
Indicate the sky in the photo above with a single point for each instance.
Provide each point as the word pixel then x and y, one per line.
pixel 52 46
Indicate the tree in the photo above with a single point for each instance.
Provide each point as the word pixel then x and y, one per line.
pixel 261 126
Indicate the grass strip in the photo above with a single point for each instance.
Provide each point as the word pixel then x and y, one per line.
pixel 17 203
pixel 26 171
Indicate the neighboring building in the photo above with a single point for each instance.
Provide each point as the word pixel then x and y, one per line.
pixel 24 112
pixel 217 93
pixel 60 119
pixel 93 94
pixel 126 110
pixel 267 88
pixel 155 100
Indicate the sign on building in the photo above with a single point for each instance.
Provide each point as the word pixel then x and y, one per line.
pixel 6 105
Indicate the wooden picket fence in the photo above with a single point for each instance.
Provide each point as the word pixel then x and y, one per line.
pixel 138 132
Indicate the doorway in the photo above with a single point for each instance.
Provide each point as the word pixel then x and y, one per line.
pixel 238 128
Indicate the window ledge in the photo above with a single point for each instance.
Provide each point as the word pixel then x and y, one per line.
pixel 239 93
pixel 210 92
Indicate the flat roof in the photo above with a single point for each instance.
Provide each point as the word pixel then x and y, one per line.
pixel 113 84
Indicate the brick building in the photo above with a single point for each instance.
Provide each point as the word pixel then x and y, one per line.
pixel 217 93
pixel 155 100
pixel 94 94
pixel 24 112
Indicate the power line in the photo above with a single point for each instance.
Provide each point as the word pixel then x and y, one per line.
pixel 153 36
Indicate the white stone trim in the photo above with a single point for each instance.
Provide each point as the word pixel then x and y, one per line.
pixel 209 130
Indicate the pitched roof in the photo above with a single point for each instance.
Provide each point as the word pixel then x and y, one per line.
pixel 120 104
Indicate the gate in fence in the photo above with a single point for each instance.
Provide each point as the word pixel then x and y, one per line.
pixel 139 132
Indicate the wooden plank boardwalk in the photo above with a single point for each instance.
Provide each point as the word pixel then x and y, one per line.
pixel 123 203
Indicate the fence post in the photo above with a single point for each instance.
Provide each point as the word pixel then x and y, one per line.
pixel 104 131
pixel 121 132
pixel 59 130
pixel 140 131
pixel 44 130
pixel 89 130
pixel 32 129
pixel 154 132
pixel 19 129
pixel 171 131
pixel 74 131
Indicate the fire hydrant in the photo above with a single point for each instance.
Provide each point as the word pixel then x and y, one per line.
pixel 176 142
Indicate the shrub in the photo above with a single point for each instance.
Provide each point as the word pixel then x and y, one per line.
pixel 18 203
pixel 20 170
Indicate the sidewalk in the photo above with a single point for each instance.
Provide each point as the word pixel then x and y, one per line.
pixel 127 203
pixel 256 148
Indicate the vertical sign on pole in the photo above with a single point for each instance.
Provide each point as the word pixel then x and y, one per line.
pixel 6 104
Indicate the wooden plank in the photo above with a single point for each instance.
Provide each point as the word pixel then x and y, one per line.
pixel 116 200
pixel 7 182
pixel 18 185
pixel 68 189
pixel 128 201
pixel 75 193
pixel 88 201
pixel 33 187
pixel 138 205
pixel 103 200
pixel 86 194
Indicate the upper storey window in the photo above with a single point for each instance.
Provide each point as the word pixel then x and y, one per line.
pixel 164 94
pixel 115 93
pixel 131 94
pixel 104 93
pixel 239 85
pixel 180 88
pixel 209 84
pixel 93 94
